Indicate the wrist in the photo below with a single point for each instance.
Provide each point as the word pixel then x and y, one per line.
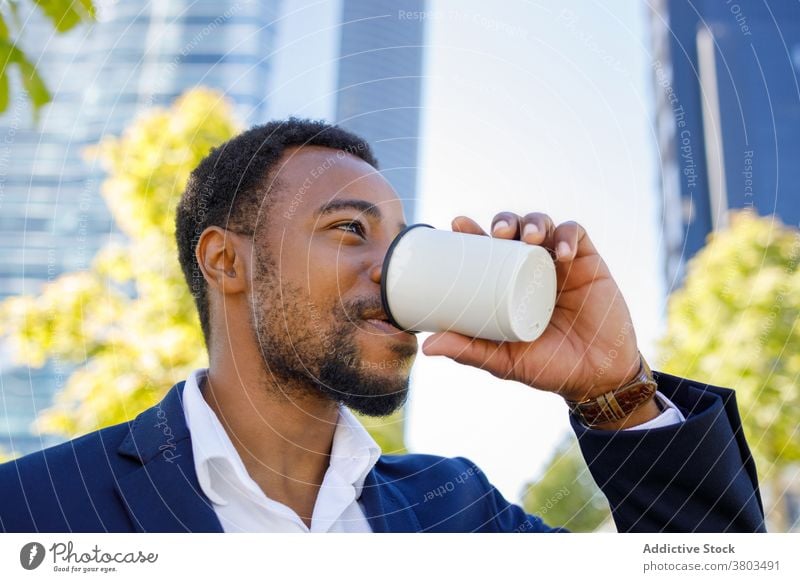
pixel 619 378
pixel 621 406
pixel 641 414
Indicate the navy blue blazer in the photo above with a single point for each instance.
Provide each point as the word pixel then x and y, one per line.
pixel 139 476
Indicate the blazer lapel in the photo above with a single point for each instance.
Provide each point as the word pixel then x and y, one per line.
pixel 163 494
pixel 384 505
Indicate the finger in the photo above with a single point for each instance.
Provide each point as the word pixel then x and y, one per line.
pixel 480 353
pixel 538 228
pixel 572 241
pixel 505 225
pixel 467 225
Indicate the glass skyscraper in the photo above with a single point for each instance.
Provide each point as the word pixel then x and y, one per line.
pixel 728 116
pixel 360 64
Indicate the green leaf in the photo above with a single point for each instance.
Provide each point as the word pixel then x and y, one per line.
pixel 3 90
pixel 88 7
pixel 5 60
pixel 33 83
pixel 62 13
pixel 3 28
pixel 65 15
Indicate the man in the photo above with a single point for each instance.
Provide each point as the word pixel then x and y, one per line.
pixel 281 233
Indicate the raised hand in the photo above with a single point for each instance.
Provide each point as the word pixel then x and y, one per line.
pixel 588 348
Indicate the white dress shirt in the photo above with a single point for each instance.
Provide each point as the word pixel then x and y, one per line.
pixel 242 506
pixel 239 502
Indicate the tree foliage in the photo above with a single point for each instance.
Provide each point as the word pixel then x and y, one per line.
pixel 735 324
pixel 567 495
pixel 64 15
pixel 129 323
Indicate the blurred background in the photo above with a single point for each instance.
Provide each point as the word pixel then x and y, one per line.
pixel 670 129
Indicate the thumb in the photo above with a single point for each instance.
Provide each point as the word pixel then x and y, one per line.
pixel 442 344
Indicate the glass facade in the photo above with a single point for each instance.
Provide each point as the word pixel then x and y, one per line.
pixel 728 116
pixel 379 85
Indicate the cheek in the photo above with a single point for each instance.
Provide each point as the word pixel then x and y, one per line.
pixel 330 272
pixel 320 270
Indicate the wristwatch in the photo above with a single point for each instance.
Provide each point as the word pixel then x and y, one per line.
pixel 618 403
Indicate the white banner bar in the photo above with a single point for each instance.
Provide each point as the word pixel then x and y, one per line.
pixel 389 557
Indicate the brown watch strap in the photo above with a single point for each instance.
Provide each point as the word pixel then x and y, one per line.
pixel 618 403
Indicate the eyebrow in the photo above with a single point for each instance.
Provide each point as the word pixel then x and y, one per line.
pixel 362 205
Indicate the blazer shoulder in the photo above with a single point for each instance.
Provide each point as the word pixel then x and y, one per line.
pixel 105 440
pixel 42 489
pixel 423 468
pixel 85 484
pixel 110 446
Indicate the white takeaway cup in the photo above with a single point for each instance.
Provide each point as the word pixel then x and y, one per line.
pixel 479 286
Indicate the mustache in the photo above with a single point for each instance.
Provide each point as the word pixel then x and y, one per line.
pixel 363 306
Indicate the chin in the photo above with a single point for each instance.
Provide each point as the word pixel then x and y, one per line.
pixel 376 406
pixel 397 356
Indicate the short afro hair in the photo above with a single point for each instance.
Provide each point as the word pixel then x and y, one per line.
pixel 229 185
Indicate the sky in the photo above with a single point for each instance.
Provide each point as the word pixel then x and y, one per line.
pixel 541 107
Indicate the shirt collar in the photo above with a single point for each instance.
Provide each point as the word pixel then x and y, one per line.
pixel 353 452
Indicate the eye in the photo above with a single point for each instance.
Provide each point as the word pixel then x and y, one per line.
pixel 354 226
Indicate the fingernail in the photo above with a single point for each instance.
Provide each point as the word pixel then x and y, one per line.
pixel 529 229
pixel 500 224
pixel 562 250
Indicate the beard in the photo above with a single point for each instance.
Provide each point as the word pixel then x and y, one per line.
pixel 308 357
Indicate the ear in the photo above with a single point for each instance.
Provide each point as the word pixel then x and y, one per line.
pixel 222 256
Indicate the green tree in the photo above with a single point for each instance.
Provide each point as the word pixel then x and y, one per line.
pixel 734 323
pixel 64 15
pixel 567 495
pixel 129 323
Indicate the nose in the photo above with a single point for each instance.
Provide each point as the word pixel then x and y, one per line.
pixel 375 271
pixel 377 265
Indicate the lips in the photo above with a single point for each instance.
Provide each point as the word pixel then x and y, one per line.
pixel 376 314
pixel 380 322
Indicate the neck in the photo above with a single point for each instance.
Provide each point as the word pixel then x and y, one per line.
pixel 284 440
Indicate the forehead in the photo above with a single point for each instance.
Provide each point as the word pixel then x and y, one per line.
pixel 312 175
